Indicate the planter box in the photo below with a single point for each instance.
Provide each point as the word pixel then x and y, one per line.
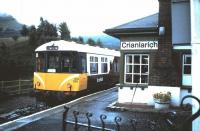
pixel 161 105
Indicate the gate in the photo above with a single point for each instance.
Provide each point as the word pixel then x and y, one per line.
pixel 169 121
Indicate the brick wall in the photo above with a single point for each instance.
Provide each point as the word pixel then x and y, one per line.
pixel 164 71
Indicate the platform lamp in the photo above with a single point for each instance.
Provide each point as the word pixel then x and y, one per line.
pixel 161 30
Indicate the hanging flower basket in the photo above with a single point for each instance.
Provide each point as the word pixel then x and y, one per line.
pixel 162 100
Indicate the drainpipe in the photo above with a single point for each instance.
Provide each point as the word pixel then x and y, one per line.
pixel 195 42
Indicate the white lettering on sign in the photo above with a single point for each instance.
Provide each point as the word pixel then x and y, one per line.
pixel 139 45
pixel 99 79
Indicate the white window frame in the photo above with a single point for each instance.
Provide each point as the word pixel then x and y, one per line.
pixel 104 60
pixel 184 58
pixel 109 60
pixel 186 78
pixel 132 64
pixel 94 62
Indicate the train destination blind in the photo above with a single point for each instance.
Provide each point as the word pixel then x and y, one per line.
pixel 52 47
pixel 139 45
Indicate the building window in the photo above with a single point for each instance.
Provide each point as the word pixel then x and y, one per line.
pixel 187 64
pixel 136 68
pixel 93 65
pixel 104 65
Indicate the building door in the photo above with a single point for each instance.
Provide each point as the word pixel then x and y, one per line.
pixel 187 77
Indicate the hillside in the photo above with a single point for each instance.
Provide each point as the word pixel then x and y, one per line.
pixel 108 41
pixel 9 26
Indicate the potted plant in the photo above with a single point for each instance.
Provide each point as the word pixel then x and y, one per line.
pixel 162 100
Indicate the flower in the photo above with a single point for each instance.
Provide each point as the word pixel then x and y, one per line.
pixel 162 96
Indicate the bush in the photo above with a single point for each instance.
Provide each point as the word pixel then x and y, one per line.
pixel 162 96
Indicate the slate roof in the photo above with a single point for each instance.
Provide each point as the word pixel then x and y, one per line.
pixel 145 22
pixel 144 26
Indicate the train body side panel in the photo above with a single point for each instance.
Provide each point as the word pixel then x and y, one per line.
pixel 83 79
pixel 60 81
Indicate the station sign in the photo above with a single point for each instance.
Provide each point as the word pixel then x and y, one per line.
pixel 139 45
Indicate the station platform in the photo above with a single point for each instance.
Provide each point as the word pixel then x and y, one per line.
pixel 97 104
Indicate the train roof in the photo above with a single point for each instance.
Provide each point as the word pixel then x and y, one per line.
pixel 62 45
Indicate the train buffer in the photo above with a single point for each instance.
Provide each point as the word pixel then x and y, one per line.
pixel 89 113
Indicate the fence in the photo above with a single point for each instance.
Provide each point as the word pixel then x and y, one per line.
pixel 16 87
pixel 168 121
pixel 145 123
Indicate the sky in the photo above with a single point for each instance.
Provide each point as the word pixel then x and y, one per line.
pixel 83 17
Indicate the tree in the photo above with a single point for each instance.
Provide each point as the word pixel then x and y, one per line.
pixel 46 29
pixel 64 31
pixel 33 36
pixel 75 39
pixel 4 54
pixel 24 31
pixel 80 40
pixel 91 42
pixel 15 37
pixel 99 43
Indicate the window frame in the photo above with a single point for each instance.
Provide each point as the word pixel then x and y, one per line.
pixel 105 61
pixel 183 64
pixel 92 60
pixel 132 65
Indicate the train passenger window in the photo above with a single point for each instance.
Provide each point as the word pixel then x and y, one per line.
pixel 93 65
pixel 68 62
pixel 104 65
pixel 40 62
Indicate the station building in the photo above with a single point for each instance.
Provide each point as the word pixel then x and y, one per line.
pixel 156 54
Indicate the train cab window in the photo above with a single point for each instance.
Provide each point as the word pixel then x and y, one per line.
pixel 68 62
pixel 104 65
pixel 40 62
pixel 53 62
pixel 93 65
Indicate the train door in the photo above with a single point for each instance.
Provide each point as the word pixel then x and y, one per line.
pixel 83 70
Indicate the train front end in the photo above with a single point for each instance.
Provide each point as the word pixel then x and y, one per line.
pixel 66 83
pixel 59 73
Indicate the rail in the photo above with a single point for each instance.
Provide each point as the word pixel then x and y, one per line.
pixel 16 87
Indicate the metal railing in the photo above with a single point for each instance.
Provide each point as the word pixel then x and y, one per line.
pixel 187 123
pixel 116 125
pixel 168 121
pixel 16 87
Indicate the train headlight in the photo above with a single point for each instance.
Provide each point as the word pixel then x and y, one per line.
pixel 38 83
pixel 69 86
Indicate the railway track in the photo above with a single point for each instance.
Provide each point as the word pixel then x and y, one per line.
pixel 36 107
pixel 21 112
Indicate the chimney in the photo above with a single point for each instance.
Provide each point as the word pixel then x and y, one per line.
pixel 164 72
pixel 165 34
